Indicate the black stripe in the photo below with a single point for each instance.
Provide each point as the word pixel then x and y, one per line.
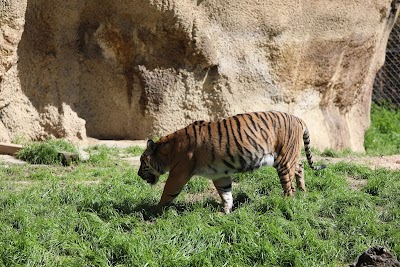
pixel 289 153
pixel 212 153
pixel 286 128
pixel 283 172
pixel 275 119
pixel 228 164
pixel 209 131
pixel 248 127
pixel 188 137
pixel 226 130
pixel 187 134
pixel 238 127
pixel 243 164
pixel 252 121
pixel 228 142
pixel 240 135
pixel 278 119
pixel 263 120
pixel 195 133
pixel 225 187
pixel 219 133
pixel 264 134
pixel 248 151
pixel 238 145
pixel 229 153
pixel 252 141
pixel 211 143
pixel 243 149
pixel 212 168
pixel 271 119
pixel 306 139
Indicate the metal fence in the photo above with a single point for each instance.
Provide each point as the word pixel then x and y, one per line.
pixel 387 80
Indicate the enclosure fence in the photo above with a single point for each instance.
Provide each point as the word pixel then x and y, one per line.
pixel 387 80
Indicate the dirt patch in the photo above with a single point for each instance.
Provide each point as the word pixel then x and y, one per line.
pixel 19 185
pixel 388 162
pixel 10 159
pixel 356 184
pixel 113 143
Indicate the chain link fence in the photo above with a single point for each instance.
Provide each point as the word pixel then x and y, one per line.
pixel 387 80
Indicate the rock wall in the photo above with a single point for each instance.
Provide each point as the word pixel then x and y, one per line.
pixel 134 69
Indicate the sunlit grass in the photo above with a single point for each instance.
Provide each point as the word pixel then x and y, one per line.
pixel 383 136
pixel 45 152
pixel 100 213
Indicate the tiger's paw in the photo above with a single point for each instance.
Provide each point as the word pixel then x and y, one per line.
pixel 227 211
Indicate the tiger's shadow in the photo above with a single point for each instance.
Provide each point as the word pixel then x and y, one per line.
pixel 150 212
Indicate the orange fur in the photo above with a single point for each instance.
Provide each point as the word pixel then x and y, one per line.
pixel 217 150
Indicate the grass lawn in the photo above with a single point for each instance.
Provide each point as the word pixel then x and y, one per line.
pixel 100 213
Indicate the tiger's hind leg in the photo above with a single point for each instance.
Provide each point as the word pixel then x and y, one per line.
pixel 224 188
pixel 299 174
pixel 286 176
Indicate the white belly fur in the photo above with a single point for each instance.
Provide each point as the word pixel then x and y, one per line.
pixel 268 160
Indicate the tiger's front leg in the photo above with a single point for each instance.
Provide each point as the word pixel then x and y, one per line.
pixel 175 182
pixel 224 188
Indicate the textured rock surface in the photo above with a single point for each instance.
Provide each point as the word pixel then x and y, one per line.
pixel 376 257
pixel 128 69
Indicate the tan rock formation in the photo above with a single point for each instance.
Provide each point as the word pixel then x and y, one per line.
pixel 133 69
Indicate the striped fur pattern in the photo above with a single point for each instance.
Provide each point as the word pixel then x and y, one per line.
pixel 217 150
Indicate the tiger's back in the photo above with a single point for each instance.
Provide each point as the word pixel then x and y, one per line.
pixel 244 142
pixel 240 143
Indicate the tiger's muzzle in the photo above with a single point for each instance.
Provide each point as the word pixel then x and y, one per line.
pixel 147 176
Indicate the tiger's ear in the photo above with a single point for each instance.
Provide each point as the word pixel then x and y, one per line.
pixel 151 145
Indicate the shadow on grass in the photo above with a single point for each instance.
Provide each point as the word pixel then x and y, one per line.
pixel 240 200
pixel 150 212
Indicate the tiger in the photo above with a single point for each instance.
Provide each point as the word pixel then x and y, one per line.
pixel 217 150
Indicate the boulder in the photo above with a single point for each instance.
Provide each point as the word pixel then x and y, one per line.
pixel 134 69
pixel 376 257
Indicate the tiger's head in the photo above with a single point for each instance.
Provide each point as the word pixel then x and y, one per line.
pixel 150 168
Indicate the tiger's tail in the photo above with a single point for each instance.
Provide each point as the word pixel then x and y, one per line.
pixel 307 148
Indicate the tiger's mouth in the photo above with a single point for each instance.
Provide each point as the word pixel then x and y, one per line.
pixel 149 178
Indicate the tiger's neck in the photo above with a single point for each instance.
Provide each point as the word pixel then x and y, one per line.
pixel 165 148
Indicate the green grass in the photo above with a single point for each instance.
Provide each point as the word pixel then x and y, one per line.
pixel 383 137
pixel 134 150
pixel 329 152
pixel 45 152
pixel 100 213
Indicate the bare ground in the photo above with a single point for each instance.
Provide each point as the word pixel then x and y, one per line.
pixel 389 162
